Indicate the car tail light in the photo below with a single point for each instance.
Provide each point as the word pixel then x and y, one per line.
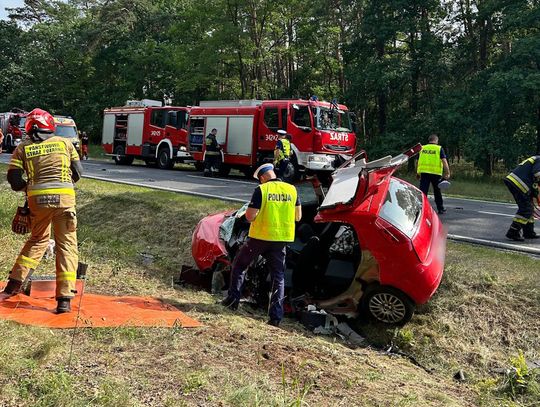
pixel 392 233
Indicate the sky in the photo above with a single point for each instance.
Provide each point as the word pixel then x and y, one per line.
pixel 8 4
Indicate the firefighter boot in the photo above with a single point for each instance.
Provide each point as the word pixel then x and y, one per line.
pixel 514 233
pixel 13 287
pixel 63 305
pixel 231 303
pixel 528 231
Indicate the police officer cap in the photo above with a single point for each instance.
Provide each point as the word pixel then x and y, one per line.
pixel 282 133
pixel 262 170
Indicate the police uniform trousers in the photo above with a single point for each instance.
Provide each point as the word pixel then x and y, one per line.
pixel 524 214
pixel 432 179
pixel 64 226
pixel 281 167
pixel 274 254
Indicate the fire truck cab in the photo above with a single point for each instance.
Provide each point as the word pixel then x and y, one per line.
pixel 322 133
pixel 148 131
pixel 12 125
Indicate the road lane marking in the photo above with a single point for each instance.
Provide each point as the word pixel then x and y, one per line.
pixel 222 179
pixel 499 245
pixel 168 189
pixel 496 213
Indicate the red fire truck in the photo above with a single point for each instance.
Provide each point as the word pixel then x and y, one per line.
pixel 148 131
pixel 12 125
pixel 322 133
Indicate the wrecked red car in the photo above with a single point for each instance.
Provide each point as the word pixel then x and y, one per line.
pixel 369 244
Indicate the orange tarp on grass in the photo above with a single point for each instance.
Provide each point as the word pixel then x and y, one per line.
pixel 96 311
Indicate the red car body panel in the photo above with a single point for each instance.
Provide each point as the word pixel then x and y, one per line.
pixel 206 246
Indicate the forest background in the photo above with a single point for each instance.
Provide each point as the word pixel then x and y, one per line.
pixel 468 70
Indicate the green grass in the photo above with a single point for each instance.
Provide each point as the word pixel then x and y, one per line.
pixel 485 312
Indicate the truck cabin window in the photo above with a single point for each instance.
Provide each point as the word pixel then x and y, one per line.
pixel 332 119
pixel 181 119
pixel 301 116
pixel 271 118
pixel 158 118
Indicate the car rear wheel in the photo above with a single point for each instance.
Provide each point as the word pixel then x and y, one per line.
pixel 387 304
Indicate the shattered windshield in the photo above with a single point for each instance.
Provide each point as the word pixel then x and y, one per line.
pixel 332 119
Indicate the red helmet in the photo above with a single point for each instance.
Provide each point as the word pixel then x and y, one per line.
pixel 39 121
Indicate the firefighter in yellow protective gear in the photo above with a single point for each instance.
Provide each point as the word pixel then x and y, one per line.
pixel 52 166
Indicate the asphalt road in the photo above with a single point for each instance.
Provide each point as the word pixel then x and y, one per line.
pixel 468 220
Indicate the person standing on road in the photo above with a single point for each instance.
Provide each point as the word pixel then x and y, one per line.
pixel 272 212
pixel 523 183
pixel 84 145
pixel 52 166
pixel 431 166
pixel 282 153
pixel 212 156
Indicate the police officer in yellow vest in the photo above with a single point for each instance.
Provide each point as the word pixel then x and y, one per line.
pixel 272 212
pixel 282 153
pixel 432 168
pixel 51 165
pixel 523 182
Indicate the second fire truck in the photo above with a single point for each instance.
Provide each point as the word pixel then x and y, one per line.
pixel 322 133
pixel 148 131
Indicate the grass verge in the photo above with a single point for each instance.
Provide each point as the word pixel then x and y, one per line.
pixel 485 313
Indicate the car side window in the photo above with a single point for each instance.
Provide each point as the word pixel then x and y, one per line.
pixel 271 118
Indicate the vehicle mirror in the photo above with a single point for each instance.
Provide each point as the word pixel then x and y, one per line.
pixel 296 107
pixel 353 123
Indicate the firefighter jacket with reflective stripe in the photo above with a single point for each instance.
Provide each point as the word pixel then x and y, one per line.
pixel 284 152
pixel 430 160
pixel 275 221
pixel 212 146
pixel 48 168
pixel 527 175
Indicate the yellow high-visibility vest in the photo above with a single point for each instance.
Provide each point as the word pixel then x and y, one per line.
pixel 276 217
pixel 430 161
pixel 286 152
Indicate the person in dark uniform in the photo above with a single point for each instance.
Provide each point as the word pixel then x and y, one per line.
pixel 272 212
pixel 212 156
pixel 523 183
pixel 432 164
pixel 85 140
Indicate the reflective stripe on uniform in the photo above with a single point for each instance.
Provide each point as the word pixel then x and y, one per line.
pixel 66 276
pixel 518 182
pixel 16 163
pixel 52 191
pixel 27 262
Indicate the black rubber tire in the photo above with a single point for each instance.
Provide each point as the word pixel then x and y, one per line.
pixel 164 161
pixel 199 166
pixel 8 144
pixel 387 305
pixel 119 151
pixel 248 172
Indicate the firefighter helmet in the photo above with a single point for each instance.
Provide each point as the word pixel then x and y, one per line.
pixel 39 122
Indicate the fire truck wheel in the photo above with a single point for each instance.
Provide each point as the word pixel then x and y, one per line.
pixel 120 158
pixel 292 172
pixel 164 161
